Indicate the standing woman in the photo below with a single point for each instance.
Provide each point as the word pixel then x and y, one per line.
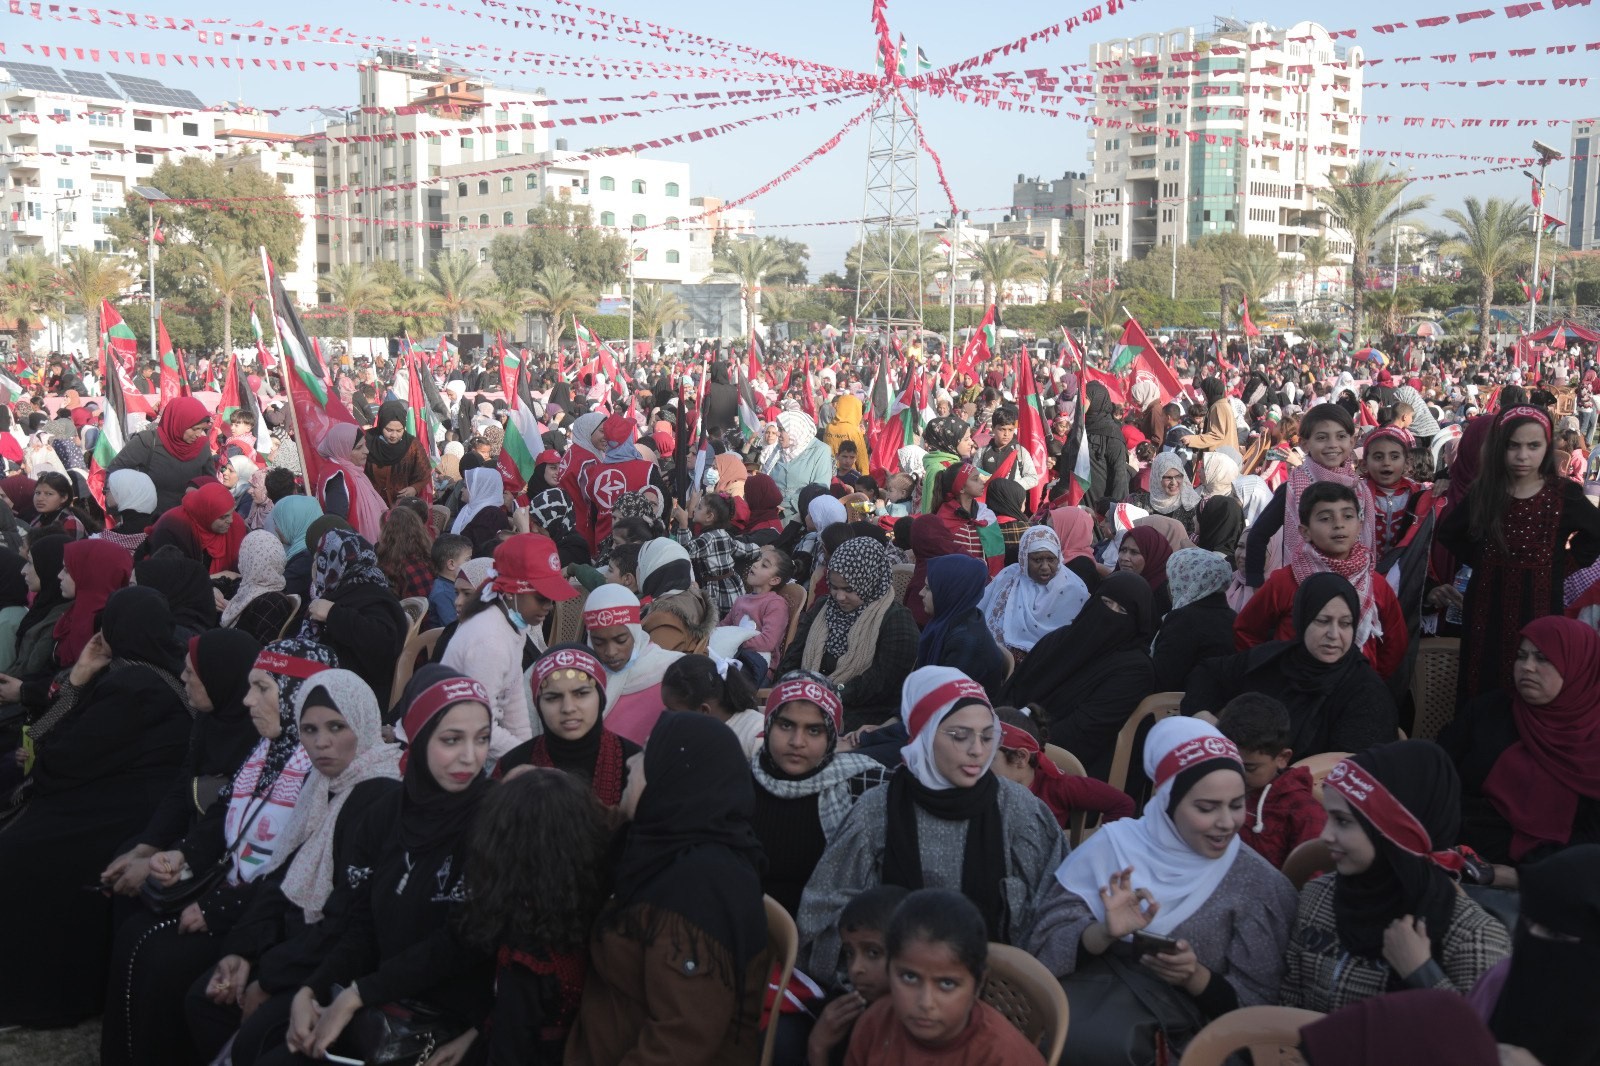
pixel 678 958
pixel 346 490
pixel 173 452
pixel 802 459
pixel 1522 529
pixel 569 692
pixel 396 464
pixel 353 612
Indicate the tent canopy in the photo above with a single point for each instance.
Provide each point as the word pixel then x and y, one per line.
pixel 1572 330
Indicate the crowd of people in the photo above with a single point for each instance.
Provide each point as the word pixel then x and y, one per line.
pixel 436 758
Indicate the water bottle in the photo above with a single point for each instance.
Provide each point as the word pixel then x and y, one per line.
pixel 1452 614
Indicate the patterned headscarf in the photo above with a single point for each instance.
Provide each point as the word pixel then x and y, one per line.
pixel 944 434
pixel 343 560
pixel 290 662
pixel 862 562
pixel 1194 573
pixel 552 510
pixel 261 563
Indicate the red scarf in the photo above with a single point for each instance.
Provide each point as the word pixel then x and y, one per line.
pixel 1355 568
pixel 182 413
pixel 608 766
pixel 1303 477
pixel 204 506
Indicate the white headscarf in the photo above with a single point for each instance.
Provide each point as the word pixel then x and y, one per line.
pixel 1186 497
pixel 802 431
pixel 1179 878
pixel 825 511
pixel 1253 495
pixel 485 488
pixel 1220 472
pixel 927 698
pixel 1020 611
pixel 261 563
pixel 133 491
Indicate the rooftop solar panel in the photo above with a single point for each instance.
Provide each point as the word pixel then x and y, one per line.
pixel 34 76
pixel 150 91
pixel 89 83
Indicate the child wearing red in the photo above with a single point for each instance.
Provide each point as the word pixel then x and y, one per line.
pixel 1281 810
pixel 1022 759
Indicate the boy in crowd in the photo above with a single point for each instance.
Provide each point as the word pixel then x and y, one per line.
pixel 1281 811
pixel 449 552
pixel 863 936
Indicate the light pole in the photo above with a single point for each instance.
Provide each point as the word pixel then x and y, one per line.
pixel 55 217
pixel 1547 155
pixel 1399 207
pixel 150 194
pixel 632 251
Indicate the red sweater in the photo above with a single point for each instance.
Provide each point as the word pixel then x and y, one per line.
pixel 1270 616
pixel 1067 794
pixel 1287 812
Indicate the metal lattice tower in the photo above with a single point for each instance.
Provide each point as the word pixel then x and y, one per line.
pixel 889 278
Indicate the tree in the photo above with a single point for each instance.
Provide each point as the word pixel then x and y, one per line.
pixel 869 262
pixel 354 287
pixel 452 278
pixel 500 308
pixel 1367 201
pixel 1391 305
pixel 86 278
pixel 1495 237
pixel 560 233
pixel 25 292
pixel 230 273
pixel 1054 270
pixel 1318 332
pixel 654 309
pixel 998 263
pixel 412 306
pixel 1256 272
pixel 750 262
pixel 796 252
pixel 778 304
pixel 1314 255
pixel 556 295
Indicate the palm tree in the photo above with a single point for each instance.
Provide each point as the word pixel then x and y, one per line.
pixel 556 296
pixel 1458 327
pixel 1391 305
pixel 1104 308
pixel 1367 201
pixel 654 309
pixel 883 251
pixel 778 304
pixel 1315 254
pixel 1256 271
pixel 1317 332
pixel 230 272
pixel 999 263
pixel 25 296
pixel 500 308
pixel 456 291
pixel 413 308
pixel 1495 237
pixel 1054 270
pixel 749 263
pixel 87 278
pixel 353 287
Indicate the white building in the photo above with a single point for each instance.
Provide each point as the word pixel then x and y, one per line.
pixel 1265 117
pixel 738 223
pixel 1583 201
pixel 284 157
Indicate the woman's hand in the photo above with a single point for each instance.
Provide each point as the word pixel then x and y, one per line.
pixel 1128 909
pixel 228 981
pixel 219 599
pixel 319 610
pixel 406 493
pixel 10 689
pixel 192 920
pixel 520 519
pixel 452 1053
pixel 1444 597
pixel 134 864
pixel 1180 968
pixel 304 1014
pixel 1406 946
pixel 333 1021
pixel 96 656
pixel 252 998
pixel 166 867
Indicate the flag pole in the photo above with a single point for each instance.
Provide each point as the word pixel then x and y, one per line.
pixel 284 370
pixel 955 235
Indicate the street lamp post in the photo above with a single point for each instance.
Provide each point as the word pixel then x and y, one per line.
pixel 1547 155
pixel 151 195
pixel 1399 206
pixel 55 217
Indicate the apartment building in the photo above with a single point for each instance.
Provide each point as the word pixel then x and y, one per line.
pixel 285 158
pixel 1583 220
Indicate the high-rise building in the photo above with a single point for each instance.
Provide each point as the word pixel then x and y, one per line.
pixel 1063 197
pixel 1226 130
pixel 284 157
pixel 1583 220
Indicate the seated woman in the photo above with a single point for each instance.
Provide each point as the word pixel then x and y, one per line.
pixel 261 563
pixel 353 611
pixel 184 582
pixel 1530 759
pixel 1074 527
pixel 1200 624
pixel 1336 700
pixel 131 499
pixel 105 753
pixel 91 571
pixel 35 657
pixel 483 519
pixel 1036 595
pixel 680 621
pixel 678 959
pixel 929 538
pixel 213 525
pixel 632 663
pixel 859 638
pixel 664 568
pixel 1090 676
pixel 569 693
pixel 1144 551
pixel 1390 916
pixel 1178 871
pixel 804 786
pixel 397 942
pixel 955 635
pixel 1171 493
pixel 291 519
pixel 945 820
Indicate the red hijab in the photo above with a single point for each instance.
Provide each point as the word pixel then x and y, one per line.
pixel 1156 551
pixel 97 568
pixel 180 414
pixel 1536 782
pixel 204 506
pixel 762 495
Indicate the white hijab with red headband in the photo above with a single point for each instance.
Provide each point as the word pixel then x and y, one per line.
pixel 930 695
pixel 1178 751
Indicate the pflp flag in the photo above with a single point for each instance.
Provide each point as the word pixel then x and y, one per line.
pixel 1538 195
pixel 749 413
pixel 116 334
pixel 585 338
pixel 1247 327
pixel 980 346
pixel 173 381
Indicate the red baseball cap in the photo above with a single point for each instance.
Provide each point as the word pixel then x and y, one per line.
pixel 529 562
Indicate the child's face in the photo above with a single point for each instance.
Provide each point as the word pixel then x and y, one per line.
pixel 763 573
pixel 1386 463
pixel 866 962
pixel 932 990
pixel 1260 767
pixel 47 500
pixel 1404 419
pixel 464 593
pixel 703 516
pixel 1334 528
pixel 452 565
pixel 845 463
pixel 898 490
pixel 1329 445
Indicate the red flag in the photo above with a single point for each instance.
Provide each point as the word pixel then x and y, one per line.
pixel 1112 383
pixel 424 431
pixel 1148 366
pixel 808 401
pixel 508 371
pixel 1245 325
pixel 173 381
pixel 977 345
pixel 1030 426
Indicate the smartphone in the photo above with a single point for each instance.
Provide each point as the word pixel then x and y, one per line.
pixel 343 1060
pixel 1151 944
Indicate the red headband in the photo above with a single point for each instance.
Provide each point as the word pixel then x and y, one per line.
pixel 1388 815
pixel 601 617
pixel 1527 412
pixel 275 662
pixel 1400 436
pixel 1015 738
pixel 567 659
pixel 804 688
pixel 946 695
pixel 1193 751
pixel 435 698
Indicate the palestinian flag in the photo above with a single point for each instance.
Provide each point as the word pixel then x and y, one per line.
pixel 267 362
pixel 115 334
pixel 174 382
pixel 1129 348
pixel 1551 224
pixel 13 388
pixel 901 426
pixel 523 442
pixel 113 428
pixel 586 339
pixel 1030 426
pixel 1082 476
pixel 510 364
pixel 749 413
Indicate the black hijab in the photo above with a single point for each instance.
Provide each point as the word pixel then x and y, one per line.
pixel 691 851
pixel 184 583
pixel 1007 499
pixel 380 452
pixel 48 555
pixel 1102 417
pixel 430 816
pixel 221 740
pixel 1421 777
pixel 1309 681
pixel 1096 633
pixel 137 624
pixel 13 586
pixel 1221 523
pixel 1547 1004
pixel 172 530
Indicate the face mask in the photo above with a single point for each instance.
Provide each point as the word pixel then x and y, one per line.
pixel 514 616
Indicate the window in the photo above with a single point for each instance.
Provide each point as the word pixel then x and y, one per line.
pixel 643 256
pixel 286 179
pixel 638 186
pixel 483 255
pixel 191 129
pixel 103 118
pixel 142 125
pixel 638 221
pixel 107 246
pixel 607 218
pixel 466 142
pixel 672 257
pixel 608 184
pixel 507 219
pixel 103 213
pixel 461 222
pixel 672 188
pixel 144 157
pixel 434 139
pixel 483 187
pixel 502 147
pixel 532 182
pixel 64 183
pixel 505 184
pixel 483 220
pixel 106 188
pixel 532 213
pixel 672 223
pixel 461 189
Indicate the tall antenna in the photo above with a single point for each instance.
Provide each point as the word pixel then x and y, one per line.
pixel 889 274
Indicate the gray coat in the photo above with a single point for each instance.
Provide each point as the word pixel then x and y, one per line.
pixel 145 452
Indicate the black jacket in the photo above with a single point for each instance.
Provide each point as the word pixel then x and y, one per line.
pixel 873 695
pixel 367 628
pixel 1188 636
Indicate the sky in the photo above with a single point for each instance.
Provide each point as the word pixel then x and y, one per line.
pixel 983 149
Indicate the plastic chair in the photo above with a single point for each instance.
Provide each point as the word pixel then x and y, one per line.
pixel 1320 766
pixel 416 608
pixel 294 614
pixel 1271 1034
pixel 1018 986
pixel 416 645
pixel 900 580
pixel 1433 685
pixel 1309 859
pixel 566 621
pixel 1078 827
pixel 1152 709
pixel 783 944
pixel 795 596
